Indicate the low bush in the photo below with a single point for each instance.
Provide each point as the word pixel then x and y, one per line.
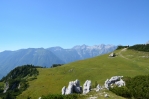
pixel 122 91
pixel 137 87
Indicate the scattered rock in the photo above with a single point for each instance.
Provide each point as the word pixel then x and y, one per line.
pixel 71 70
pixel 98 88
pixel 93 98
pixel 106 95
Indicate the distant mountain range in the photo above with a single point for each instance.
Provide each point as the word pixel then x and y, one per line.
pixel 46 57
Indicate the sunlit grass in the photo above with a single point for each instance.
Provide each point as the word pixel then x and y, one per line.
pixel 51 80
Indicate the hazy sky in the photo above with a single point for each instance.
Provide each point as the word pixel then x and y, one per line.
pixel 65 23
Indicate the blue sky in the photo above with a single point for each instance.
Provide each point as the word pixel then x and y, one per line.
pixel 66 23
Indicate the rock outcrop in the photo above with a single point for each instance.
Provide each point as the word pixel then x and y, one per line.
pixel 77 88
pixel 19 86
pixel 63 90
pixel 114 80
pixel 112 55
pixel 120 83
pixel 73 87
pixel 6 86
pixel 87 87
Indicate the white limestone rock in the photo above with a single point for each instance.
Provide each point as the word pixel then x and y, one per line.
pixel 73 87
pixel 98 88
pixel 120 83
pixel 6 87
pixel 63 90
pixel 117 80
pixel 87 87
pixel 107 84
pixel 69 89
pixel 19 86
pixel 112 55
pixel 77 88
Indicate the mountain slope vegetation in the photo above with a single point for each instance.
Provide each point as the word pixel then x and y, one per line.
pixel 140 47
pixel 127 63
pixel 17 81
pixel 136 87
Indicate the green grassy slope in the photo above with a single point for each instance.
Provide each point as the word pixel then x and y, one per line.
pixel 51 80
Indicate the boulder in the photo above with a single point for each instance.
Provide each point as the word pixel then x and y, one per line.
pixel 73 87
pixel 120 83
pixel 87 87
pixel 117 80
pixel 112 55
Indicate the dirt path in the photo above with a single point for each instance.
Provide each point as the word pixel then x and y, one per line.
pixel 120 53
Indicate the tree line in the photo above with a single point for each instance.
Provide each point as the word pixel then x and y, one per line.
pixel 138 47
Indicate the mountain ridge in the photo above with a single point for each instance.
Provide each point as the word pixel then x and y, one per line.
pixel 83 51
pixel 47 57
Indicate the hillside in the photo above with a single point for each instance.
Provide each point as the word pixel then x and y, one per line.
pixel 46 57
pixel 98 69
pixel 16 81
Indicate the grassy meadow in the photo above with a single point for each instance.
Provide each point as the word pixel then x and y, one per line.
pixel 98 69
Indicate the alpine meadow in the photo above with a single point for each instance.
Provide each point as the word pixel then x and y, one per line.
pixel 127 62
